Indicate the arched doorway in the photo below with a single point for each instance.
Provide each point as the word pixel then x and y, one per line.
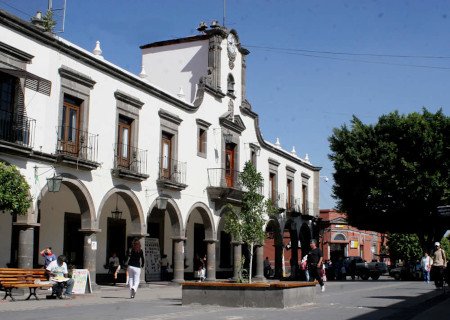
pixel 224 251
pixel 165 224
pixel 200 239
pixel 305 238
pixel 120 219
pixel 273 248
pixel 61 216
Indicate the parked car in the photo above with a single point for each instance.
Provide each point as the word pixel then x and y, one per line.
pixel 409 271
pixel 357 267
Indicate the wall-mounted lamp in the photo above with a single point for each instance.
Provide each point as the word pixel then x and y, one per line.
pixel 54 183
pixel 116 214
pixel 161 202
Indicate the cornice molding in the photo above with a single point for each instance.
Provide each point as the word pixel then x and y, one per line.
pixel 128 99
pixel 70 74
pixel 202 123
pixel 169 116
pixel 15 53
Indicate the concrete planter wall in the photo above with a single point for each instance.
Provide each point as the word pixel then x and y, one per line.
pixel 255 295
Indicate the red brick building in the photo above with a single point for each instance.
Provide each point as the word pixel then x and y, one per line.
pixel 339 239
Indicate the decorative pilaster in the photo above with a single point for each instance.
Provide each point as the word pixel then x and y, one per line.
pixel 237 257
pixel 26 245
pixel 214 61
pixel 178 260
pixel 210 259
pixel 90 253
pixel 259 259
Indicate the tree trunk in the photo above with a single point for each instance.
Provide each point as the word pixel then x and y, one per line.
pixel 250 264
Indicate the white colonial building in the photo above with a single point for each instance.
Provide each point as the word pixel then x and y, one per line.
pixel 154 155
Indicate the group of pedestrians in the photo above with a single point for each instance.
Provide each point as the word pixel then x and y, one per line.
pixel 434 266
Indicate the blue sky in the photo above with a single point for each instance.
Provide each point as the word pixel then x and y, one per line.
pixel 300 92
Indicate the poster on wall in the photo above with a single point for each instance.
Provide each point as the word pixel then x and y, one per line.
pixel 82 281
pixel 152 260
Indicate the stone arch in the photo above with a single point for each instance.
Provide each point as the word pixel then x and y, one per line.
pixel 339 237
pixel 175 218
pixel 208 221
pixel 138 222
pixel 81 193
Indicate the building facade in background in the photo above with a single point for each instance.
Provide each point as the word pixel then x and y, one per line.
pixel 339 239
pixel 155 155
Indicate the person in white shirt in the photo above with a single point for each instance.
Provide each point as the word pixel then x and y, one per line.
pixel 58 273
pixel 426 267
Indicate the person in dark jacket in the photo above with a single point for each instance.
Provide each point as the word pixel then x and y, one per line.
pixel 135 261
pixel 315 260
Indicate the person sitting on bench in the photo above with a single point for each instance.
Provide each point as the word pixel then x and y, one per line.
pixel 57 271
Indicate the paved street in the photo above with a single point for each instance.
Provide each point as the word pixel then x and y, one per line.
pixel 360 300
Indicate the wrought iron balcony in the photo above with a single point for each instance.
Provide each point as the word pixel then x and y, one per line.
pixel 16 130
pixel 307 210
pixel 130 162
pixel 278 200
pixel 293 205
pixel 76 146
pixel 224 185
pixel 171 174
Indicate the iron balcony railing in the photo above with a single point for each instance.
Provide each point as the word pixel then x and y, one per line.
pixel 293 204
pixel 307 208
pixel 172 170
pixel 17 128
pixel 77 143
pixel 277 199
pixel 130 158
pixel 223 178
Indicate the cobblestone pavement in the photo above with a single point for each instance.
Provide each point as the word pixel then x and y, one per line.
pixel 360 300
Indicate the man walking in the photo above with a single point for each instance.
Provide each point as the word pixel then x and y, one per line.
pixel 439 263
pixel 315 260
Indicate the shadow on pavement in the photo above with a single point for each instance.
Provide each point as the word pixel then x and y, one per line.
pixel 406 309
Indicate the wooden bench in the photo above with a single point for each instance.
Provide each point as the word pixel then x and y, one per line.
pixel 11 278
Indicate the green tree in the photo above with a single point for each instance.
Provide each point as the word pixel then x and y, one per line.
pixel 14 196
pixel 392 175
pixel 445 245
pixel 404 246
pixel 247 224
pixel 49 23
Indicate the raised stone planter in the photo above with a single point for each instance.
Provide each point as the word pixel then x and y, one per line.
pixel 255 295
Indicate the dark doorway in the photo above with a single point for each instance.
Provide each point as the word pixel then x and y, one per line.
pixel 225 250
pixel 116 237
pixel 73 240
pixel 199 236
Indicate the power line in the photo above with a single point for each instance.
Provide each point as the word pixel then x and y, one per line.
pixel 348 53
pixel 17 9
pixel 358 60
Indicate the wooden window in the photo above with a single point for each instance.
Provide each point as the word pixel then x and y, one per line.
pixel 289 200
pixel 201 141
pixel 166 155
pixel 123 142
pixel 7 92
pixel 273 187
pixel 229 165
pixel 70 125
pixel 253 156
pixel 304 199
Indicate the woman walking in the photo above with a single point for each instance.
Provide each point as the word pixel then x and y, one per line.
pixel 135 259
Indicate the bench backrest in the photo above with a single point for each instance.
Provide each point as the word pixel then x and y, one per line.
pixel 17 276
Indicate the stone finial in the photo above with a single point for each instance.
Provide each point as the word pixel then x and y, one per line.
pixel 143 74
pixel 306 158
pixel 293 152
pixel 278 144
pixel 181 94
pixel 97 50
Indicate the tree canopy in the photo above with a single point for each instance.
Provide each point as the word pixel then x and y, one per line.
pixel 404 246
pixel 14 190
pixel 392 175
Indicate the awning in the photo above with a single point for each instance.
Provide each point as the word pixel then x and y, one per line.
pixel 32 81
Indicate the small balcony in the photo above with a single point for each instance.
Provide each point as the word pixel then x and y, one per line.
pixel 16 133
pixel 224 185
pixel 307 210
pixel 130 162
pixel 278 200
pixel 293 206
pixel 171 174
pixel 77 148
